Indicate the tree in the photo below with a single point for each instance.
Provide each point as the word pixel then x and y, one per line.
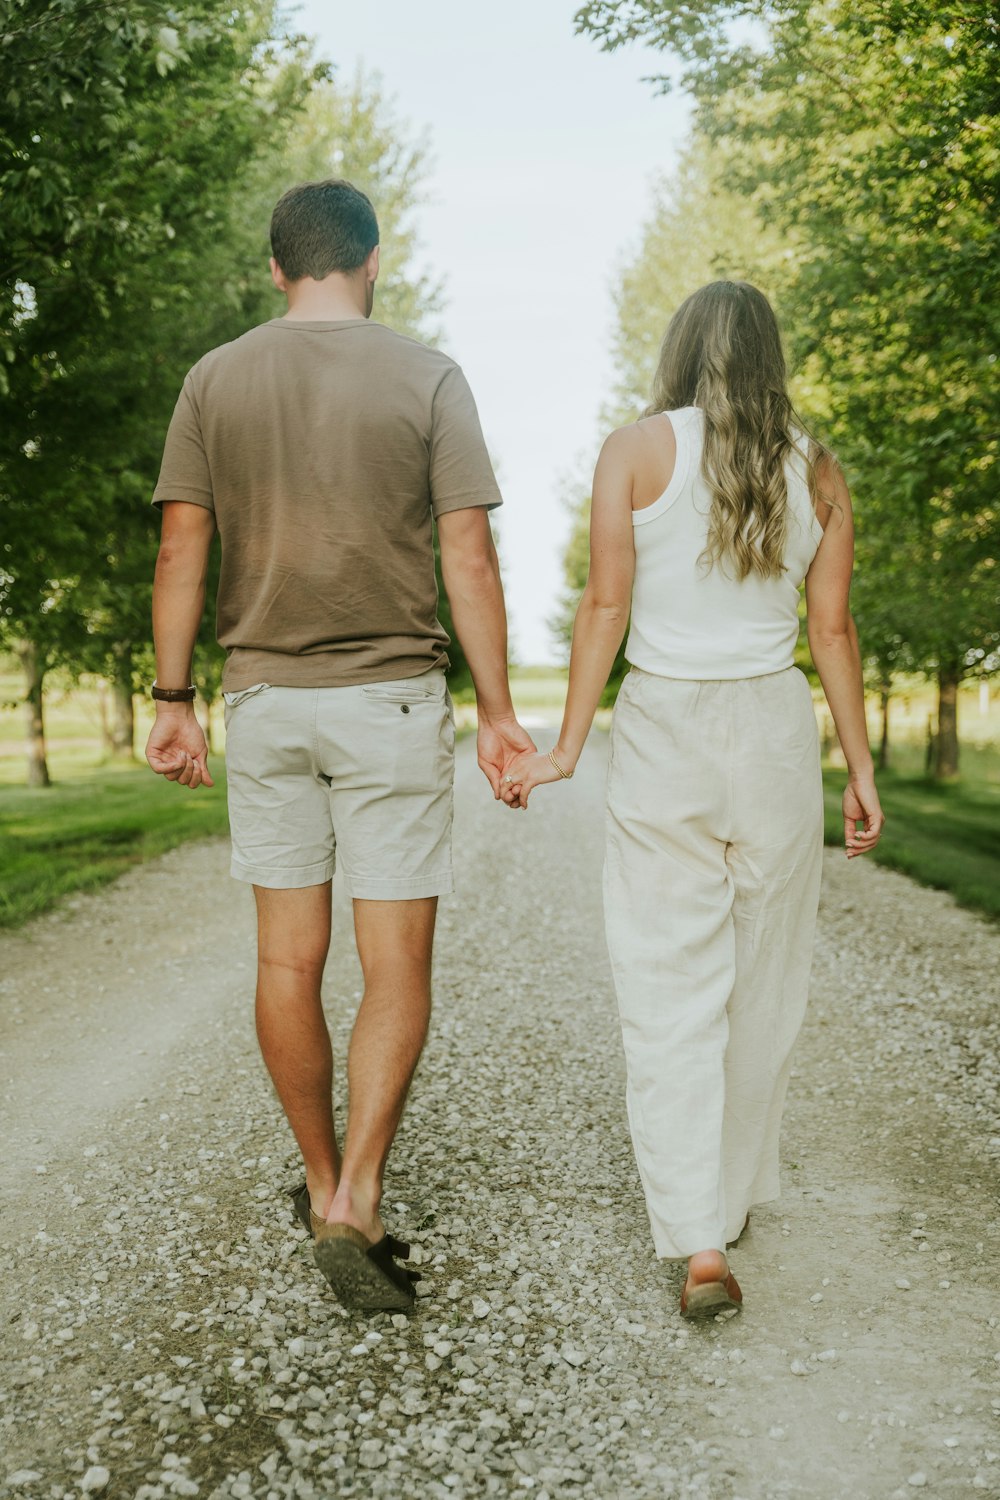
pixel 698 229
pixel 100 344
pixel 101 175
pixel 867 135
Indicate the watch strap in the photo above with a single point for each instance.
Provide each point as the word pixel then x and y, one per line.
pixel 173 695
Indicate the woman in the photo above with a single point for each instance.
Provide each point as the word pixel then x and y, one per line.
pixel 707 515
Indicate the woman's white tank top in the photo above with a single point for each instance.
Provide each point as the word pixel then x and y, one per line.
pixel 693 623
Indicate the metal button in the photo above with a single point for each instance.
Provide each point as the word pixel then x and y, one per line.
pixel 404 708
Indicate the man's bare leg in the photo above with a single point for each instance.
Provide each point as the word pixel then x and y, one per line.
pixel 293 937
pixel 395 939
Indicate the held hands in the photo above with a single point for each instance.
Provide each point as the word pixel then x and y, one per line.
pixel 861 804
pixel 500 743
pixel 530 771
pixel 176 746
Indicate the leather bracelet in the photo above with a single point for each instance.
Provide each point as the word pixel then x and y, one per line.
pixel 173 695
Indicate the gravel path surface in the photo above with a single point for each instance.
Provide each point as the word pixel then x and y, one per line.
pixel 166 1334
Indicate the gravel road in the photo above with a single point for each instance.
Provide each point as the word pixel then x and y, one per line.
pixel 166 1334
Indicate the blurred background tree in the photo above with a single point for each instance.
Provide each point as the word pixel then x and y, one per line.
pixel 863 139
pixel 142 152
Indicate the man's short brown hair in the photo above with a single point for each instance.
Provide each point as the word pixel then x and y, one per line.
pixel 321 227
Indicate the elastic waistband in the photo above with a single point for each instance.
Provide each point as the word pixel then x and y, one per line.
pixel 713 681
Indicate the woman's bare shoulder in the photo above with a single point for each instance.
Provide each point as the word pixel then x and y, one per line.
pixel 636 441
pixel 646 452
pixel 830 494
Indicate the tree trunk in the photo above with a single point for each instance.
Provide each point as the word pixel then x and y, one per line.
pixel 122 707
pixel 102 703
pixel 883 747
pixel 34 677
pixel 946 759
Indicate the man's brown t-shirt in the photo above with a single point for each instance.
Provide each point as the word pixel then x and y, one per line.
pixel 324 450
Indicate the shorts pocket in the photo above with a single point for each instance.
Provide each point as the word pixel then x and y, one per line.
pixel 406 690
pixel 234 699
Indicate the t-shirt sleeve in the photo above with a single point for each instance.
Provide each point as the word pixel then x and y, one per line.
pixel 184 472
pixel 461 474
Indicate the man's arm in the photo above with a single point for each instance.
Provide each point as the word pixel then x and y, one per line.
pixel 176 746
pixel 471 573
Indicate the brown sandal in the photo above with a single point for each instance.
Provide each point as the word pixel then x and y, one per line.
pixel 363 1275
pixel 303 1208
pixel 707 1299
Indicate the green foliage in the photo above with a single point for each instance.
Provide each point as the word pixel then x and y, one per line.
pixel 115 216
pixel 143 151
pixel 865 138
pixel 944 836
pixel 698 229
pixel 85 832
pixel 119 129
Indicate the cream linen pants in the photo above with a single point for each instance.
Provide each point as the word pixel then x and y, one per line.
pixel 711 885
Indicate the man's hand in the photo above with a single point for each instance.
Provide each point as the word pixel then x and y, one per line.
pixel 501 741
pixel 176 746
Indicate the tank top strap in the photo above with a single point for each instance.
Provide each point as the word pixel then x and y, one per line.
pixel 687 443
pixel 800 500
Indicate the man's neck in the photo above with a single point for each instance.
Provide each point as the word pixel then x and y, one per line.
pixel 322 305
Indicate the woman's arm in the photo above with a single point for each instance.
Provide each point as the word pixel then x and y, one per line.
pixel 833 641
pixel 602 614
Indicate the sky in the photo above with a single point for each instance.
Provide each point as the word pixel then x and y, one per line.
pixel 543 155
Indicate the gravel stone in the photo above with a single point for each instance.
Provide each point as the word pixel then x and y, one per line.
pixel 95 1479
pixel 195 1350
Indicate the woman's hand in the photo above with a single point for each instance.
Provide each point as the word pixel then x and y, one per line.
pixel 861 804
pixel 529 771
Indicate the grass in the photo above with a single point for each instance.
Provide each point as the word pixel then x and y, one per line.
pixel 83 832
pixel 539 687
pixel 944 836
pixel 99 820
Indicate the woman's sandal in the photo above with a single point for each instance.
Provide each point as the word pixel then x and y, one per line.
pixel 707 1299
pixel 362 1274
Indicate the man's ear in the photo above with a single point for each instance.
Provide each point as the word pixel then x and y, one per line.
pixel 278 275
pixel 371 267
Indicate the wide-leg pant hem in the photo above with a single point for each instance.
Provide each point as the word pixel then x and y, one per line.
pixel 682 1243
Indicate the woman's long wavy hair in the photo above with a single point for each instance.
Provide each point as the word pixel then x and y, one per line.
pixel 722 352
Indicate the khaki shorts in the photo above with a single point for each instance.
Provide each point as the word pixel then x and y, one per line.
pixel 365 773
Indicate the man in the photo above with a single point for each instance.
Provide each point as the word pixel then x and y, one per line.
pixel 323 447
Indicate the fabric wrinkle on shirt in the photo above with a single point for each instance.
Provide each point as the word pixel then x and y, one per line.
pixel 325 451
